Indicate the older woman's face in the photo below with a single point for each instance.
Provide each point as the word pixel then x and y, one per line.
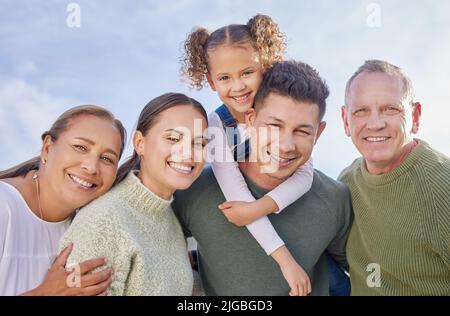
pixel 82 163
pixel 172 150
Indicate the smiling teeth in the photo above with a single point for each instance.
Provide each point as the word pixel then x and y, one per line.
pixel 242 98
pixel 81 182
pixel 180 167
pixel 376 139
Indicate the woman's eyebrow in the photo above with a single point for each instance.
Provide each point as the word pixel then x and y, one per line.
pixel 90 141
pixel 174 130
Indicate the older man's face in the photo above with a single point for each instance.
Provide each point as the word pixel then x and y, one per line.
pixel 378 119
pixel 298 128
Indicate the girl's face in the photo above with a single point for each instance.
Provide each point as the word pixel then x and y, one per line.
pixel 171 150
pixel 236 74
pixel 82 163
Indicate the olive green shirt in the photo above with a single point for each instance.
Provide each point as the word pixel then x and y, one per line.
pixel 231 262
pixel 400 240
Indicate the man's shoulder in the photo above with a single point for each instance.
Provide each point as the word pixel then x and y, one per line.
pixel 327 186
pixel 433 169
pixel 436 160
pixel 331 196
pixel 206 182
pixel 350 170
pixel 199 197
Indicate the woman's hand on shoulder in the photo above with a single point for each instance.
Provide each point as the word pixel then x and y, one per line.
pixel 75 280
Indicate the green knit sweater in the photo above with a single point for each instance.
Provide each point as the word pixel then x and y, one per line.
pixel 401 226
pixel 139 235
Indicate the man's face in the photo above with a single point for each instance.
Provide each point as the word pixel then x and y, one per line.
pixel 378 119
pixel 298 127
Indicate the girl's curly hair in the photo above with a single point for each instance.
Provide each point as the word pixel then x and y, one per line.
pixel 260 31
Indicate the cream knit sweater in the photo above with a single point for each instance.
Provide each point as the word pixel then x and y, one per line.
pixel 138 234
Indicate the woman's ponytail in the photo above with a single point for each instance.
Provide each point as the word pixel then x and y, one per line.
pixel 133 163
pixel 21 169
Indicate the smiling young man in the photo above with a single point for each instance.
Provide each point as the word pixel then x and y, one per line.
pixel 400 240
pixel 292 99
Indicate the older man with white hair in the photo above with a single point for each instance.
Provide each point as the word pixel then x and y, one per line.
pixel 399 243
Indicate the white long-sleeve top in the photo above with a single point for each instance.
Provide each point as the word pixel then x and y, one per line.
pixel 28 244
pixel 234 187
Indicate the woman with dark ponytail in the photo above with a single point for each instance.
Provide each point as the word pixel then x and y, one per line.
pixel 133 225
pixel 78 163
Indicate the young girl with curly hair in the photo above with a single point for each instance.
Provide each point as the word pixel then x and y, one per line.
pixel 232 60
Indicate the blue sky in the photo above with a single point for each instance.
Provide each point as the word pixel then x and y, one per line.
pixel 126 53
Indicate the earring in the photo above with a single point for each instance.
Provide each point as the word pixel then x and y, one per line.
pixel 43 161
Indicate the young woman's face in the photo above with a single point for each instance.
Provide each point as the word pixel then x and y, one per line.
pixel 235 73
pixel 171 150
pixel 82 163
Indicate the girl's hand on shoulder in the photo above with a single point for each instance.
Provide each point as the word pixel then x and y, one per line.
pixel 239 213
pixel 244 213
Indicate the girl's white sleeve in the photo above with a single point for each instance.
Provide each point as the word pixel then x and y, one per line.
pixel 234 187
pixel 294 187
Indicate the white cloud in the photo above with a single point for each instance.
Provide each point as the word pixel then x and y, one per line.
pixel 26 69
pixel 25 113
